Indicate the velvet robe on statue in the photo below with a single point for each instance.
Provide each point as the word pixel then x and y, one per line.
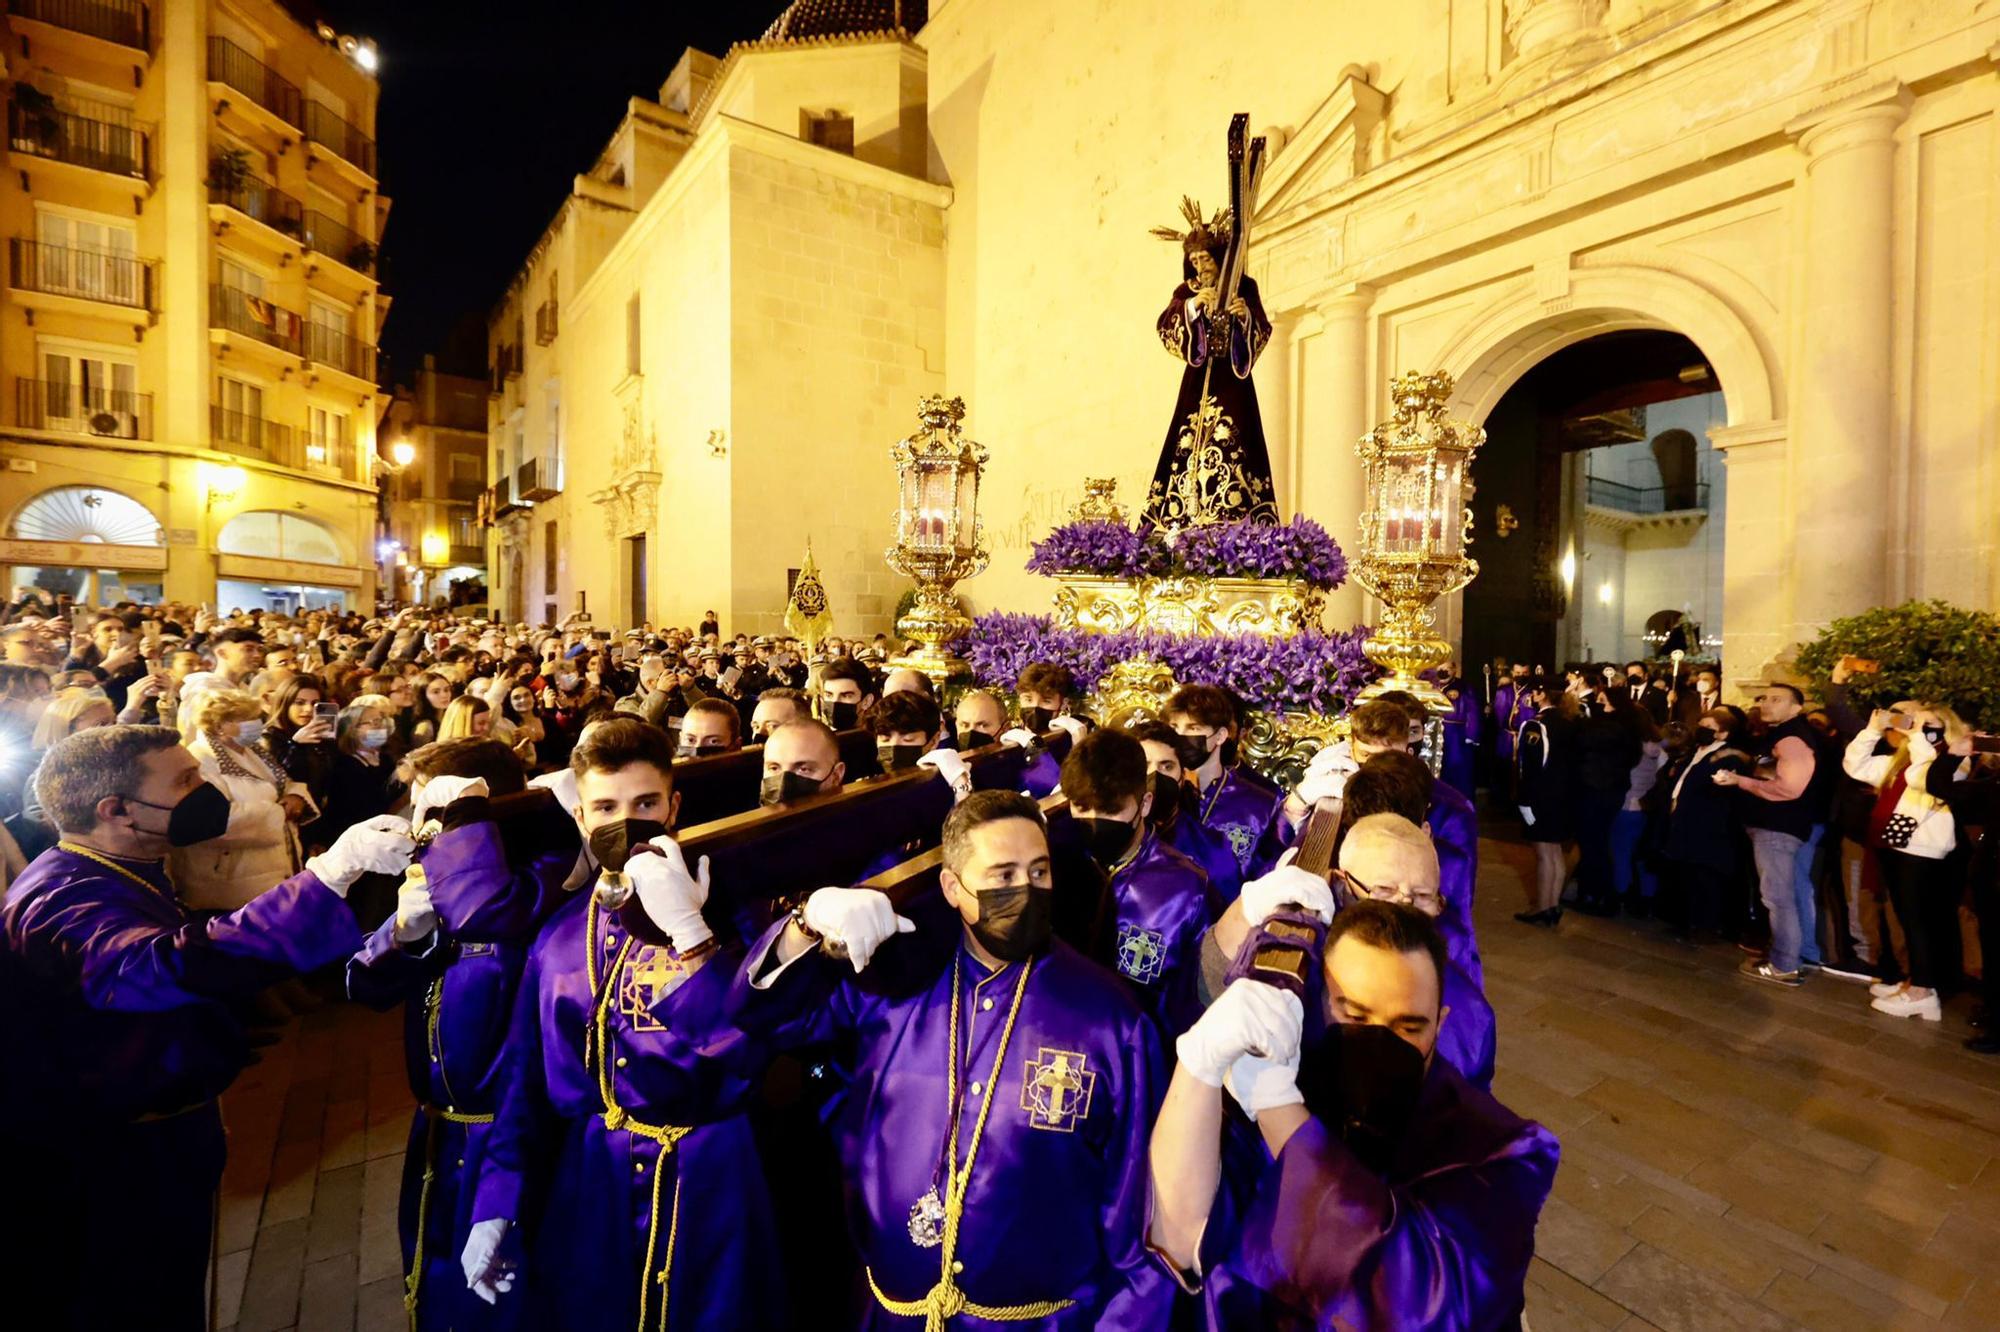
pixel 123 1023
pixel 1218 351
pixel 458 988
pixel 603 1203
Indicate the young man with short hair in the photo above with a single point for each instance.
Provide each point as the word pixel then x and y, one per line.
pixel 907 726
pixel 1174 801
pixel 1231 806
pixel 1163 901
pixel 774 708
pixel 710 727
pixel 617 1110
pixel 846 693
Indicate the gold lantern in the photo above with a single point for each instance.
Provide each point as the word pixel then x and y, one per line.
pixel 937 534
pixel 1414 527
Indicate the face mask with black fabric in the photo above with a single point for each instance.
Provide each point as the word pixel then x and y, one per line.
pixel 971 737
pixel 897 758
pixel 1166 801
pixel 1015 923
pixel 1363 1082
pixel 1037 719
pixel 703 750
pixel 1107 839
pixel 842 716
pixel 1192 750
pixel 781 788
pixel 199 816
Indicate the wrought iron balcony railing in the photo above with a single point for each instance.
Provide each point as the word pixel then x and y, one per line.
pixel 124 22
pixel 237 311
pixel 47 404
pixel 264 203
pixel 42 129
pixel 1616 495
pixel 251 436
pixel 91 275
pixel 339 242
pixel 329 346
pixel 325 127
pixel 231 65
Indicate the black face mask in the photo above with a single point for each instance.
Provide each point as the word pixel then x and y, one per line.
pixel 1166 801
pixel 1036 719
pixel 1106 839
pixel 970 737
pixel 781 788
pixel 1193 751
pixel 1015 923
pixel 611 843
pixel 898 758
pixel 842 716
pixel 200 816
pixel 700 751
pixel 1363 1082
pixel 1709 735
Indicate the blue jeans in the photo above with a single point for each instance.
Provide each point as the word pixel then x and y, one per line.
pixel 1777 857
pixel 1804 894
pixel 1627 831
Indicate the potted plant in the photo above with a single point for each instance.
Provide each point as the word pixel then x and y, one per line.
pixel 361 256
pixel 229 171
pixel 39 115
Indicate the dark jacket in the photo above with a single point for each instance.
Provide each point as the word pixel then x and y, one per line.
pixel 1701 823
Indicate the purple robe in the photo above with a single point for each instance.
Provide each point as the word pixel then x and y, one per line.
pixel 1186 834
pixel 1240 813
pixel 1218 349
pixel 1164 904
pixel 1441 1240
pixel 596 1201
pixel 123 1024
pixel 1461 740
pixel 460 998
pixel 1503 720
pixel 1454 828
pixel 1469 1037
pixel 1056 1207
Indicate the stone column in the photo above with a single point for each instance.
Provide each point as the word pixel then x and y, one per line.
pixel 1331 375
pixel 1841 423
pixel 1755 569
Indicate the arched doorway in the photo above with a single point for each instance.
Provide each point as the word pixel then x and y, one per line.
pixel 97 546
pixel 268 560
pixel 1600 504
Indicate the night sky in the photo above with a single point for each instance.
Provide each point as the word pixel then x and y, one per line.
pixel 487 111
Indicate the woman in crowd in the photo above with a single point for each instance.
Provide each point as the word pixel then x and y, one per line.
pixel 1704 845
pixel 1607 748
pixel 523 723
pixel 1545 762
pixel 1632 878
pixel 299 738
pixel 363 782
pixel 223 729
pixel 1912 832
pixel 567 706
pixel 465 718
pixel 433 696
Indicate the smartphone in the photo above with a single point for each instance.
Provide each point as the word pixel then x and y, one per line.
pixel 1985 744
pixel 1861 665
pixel 1906 721
pixel 325 711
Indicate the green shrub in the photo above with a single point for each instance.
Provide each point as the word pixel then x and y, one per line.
pixel 1928 650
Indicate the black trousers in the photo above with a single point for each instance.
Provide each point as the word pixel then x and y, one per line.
pixel 1926 901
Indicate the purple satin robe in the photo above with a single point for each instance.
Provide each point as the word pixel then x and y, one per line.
pixel 123 1024
pixel 1187 836
pixel 1503 721
pixel 586 1193
pixel 1240 812
pixel 1056 1208
pixel 1164 904
pixel 1454 829
pixel 1442 1240
pixel 460 999
pixel 1461 740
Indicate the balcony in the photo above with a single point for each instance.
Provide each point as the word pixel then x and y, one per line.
pixel 56 276
pixel 506 365
pixel 329 452
pixel 239 314
pixel 326 128
pixel 235 68
pixel 497 503
pixel 250 436
pixel 339 242
pixel 263 203
pixel 1646 501
pixel 120 22
pixel 335 349
pixel 37 127
pixel 537 479
pixel 72 409
pixel 545 322
pixel 462 489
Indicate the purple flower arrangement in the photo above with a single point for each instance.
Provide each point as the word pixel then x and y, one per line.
pixel 1300 549
pixel 1312 671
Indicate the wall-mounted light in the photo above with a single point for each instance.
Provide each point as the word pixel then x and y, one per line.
pixel 1605 592
pixel 1568 569
pixel 222 483
pixel 436 548
pixel 402 453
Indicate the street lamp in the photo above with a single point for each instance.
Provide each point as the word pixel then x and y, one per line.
pixel 402 453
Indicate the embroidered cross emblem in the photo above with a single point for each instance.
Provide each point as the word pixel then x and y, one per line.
pixel 1241 841
pixel 651 974
pixel 1055 1090
pixel 1141 953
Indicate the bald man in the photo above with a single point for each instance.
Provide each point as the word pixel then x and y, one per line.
pixel 801 760
pixel 980 719
pixel 903 680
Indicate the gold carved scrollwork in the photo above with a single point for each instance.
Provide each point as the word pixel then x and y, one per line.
pixel 1280 745
pixel 1183 605
pixel 1134 691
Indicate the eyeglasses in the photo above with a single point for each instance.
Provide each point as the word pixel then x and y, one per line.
pixel 1425 900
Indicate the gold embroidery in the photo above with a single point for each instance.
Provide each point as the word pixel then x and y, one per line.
pixel 651 974
pixel 1056 1088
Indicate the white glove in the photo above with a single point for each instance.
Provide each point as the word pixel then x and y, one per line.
pixel 1019 736
pixel 858 920
pixel 1251 1018
pixel 1317 786
pixel 484 1273
pixel 1074 726
pixel 950 765
pixel 672 896
pixel 415 916
pixel 381 845
pixel 1286 886
pixel 1261 1084
pixel 437 794
pixel 1336 757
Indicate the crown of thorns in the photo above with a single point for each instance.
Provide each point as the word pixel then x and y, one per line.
pixel 1200 235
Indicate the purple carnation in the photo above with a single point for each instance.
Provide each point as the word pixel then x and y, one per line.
pixel 1310 672
pixel 1300 549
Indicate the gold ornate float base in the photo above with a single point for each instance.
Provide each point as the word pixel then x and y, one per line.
pixel 1277 744
pixel 1274 607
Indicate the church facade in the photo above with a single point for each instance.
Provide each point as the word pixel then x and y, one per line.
pixel 1804 189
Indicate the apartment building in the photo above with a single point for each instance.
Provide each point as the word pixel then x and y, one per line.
pixel 188 326
pixel 432 545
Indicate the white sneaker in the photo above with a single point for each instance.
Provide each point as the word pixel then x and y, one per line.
pixel 1902 1005
pixel 1882 990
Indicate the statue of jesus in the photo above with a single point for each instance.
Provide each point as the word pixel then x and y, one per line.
pixel 1214 466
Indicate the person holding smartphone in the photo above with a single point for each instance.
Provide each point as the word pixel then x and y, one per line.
pixel 300 734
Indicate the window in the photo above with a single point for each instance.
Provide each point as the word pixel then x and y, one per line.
pixel 328 443
pixel 465 467
pixel 552 453
pixel 239 413
pixel 80 384
pixel 632 335
pixel 84 255
pixel 239 278
pixel 828 129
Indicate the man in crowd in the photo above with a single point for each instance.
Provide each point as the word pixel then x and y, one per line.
pixel 1237 810
pixel 125 1022
pixel 1646 695
pixel 907 726
pixel 995 1122
pixel 979 719
pixel 846 693
pixel 1173 810
pixel 615 1113
pixel 801 760
pixel 1395 1194
pixel 1163 901
pixel 711 726
pixel 1784 813
pixel 774 708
